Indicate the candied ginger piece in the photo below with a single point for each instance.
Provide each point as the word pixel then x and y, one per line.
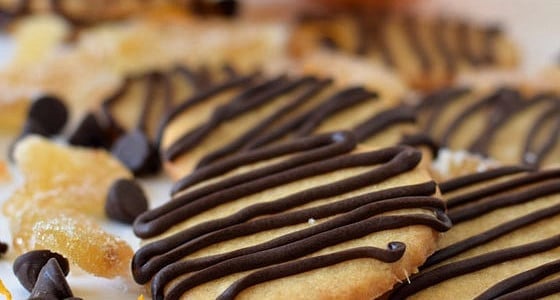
pixel 63 177
pixel 4 291
pixel 75 236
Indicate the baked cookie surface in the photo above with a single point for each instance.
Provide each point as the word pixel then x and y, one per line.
pixel 311 218
pixel 503 244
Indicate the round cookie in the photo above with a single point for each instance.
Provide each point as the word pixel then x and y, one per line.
pixel 483 122
pixel 503 244
pixel 426 52
pixel 314 217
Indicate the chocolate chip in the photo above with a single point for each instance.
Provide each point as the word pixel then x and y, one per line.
pixel 137 153
pixel 51 283
pixel 28 266
pixel 3 248
pixel 226 8
pixel 89 133
pixel 126 201
pixel 50 113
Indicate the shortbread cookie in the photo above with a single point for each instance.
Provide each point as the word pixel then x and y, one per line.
pixel 426 52
pixel 273 109
pixel 308 219
pixel 504 243
pixel 502 124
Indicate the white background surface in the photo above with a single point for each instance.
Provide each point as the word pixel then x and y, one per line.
pixel 534 25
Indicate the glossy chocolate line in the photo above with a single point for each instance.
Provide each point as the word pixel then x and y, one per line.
pixel 550 141
pixel 306 122
pixel 500 96
pixel 463 39
pixel 382 120
pixel 421 139
pixel 394 251
pixel 148 102
pixel 317 148
pixel 186 266
pixel 539 290
pixel 473 210
pixel 490 235
pixel 439 274
pixel 438 30
pixel 503 186
pixel 261 127
pixel 344 99
pixel 200 97
pixel 510 105
pixel 314 149
pixel 410 25
pixel 491 34
pixel 438 101
pixel 472 179
pixel 306 246
pixel 521 280
pixel 394 161
pixel 239 105
pixel 352 208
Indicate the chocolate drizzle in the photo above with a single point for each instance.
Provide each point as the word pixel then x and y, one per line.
pixel 306 108
pixel 519 186
pixel 452 40
pixel 498 110
pixel 167 259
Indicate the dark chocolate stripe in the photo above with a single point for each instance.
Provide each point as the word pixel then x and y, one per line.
pixel 306 246
pixel 166 260
pixel 252 98
pixel 501 187
pixel 438 31
pixel 439 274
pixel 394 161
pixel 356 207
pixel 549 142
pixel 260 128
pixel 504 96
pixel 491 34
pixel 394 252
pixel 507 287
pixel 200 97
pixel 507 107
pixel 382 120
pixel 411 25
pixel 490 235
pixel 473 210
pixel 341 101
pixel 539 290
pixel 472 179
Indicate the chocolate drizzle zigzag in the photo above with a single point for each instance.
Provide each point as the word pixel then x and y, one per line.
pixel 504 107
pixel 509 186
pixel 165 260
pixel 294 108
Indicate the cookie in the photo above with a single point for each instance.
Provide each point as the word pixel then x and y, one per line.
pixel 503 244
pixel 483 123
pixel 427 52
pixel 310 218
pixel 272 109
